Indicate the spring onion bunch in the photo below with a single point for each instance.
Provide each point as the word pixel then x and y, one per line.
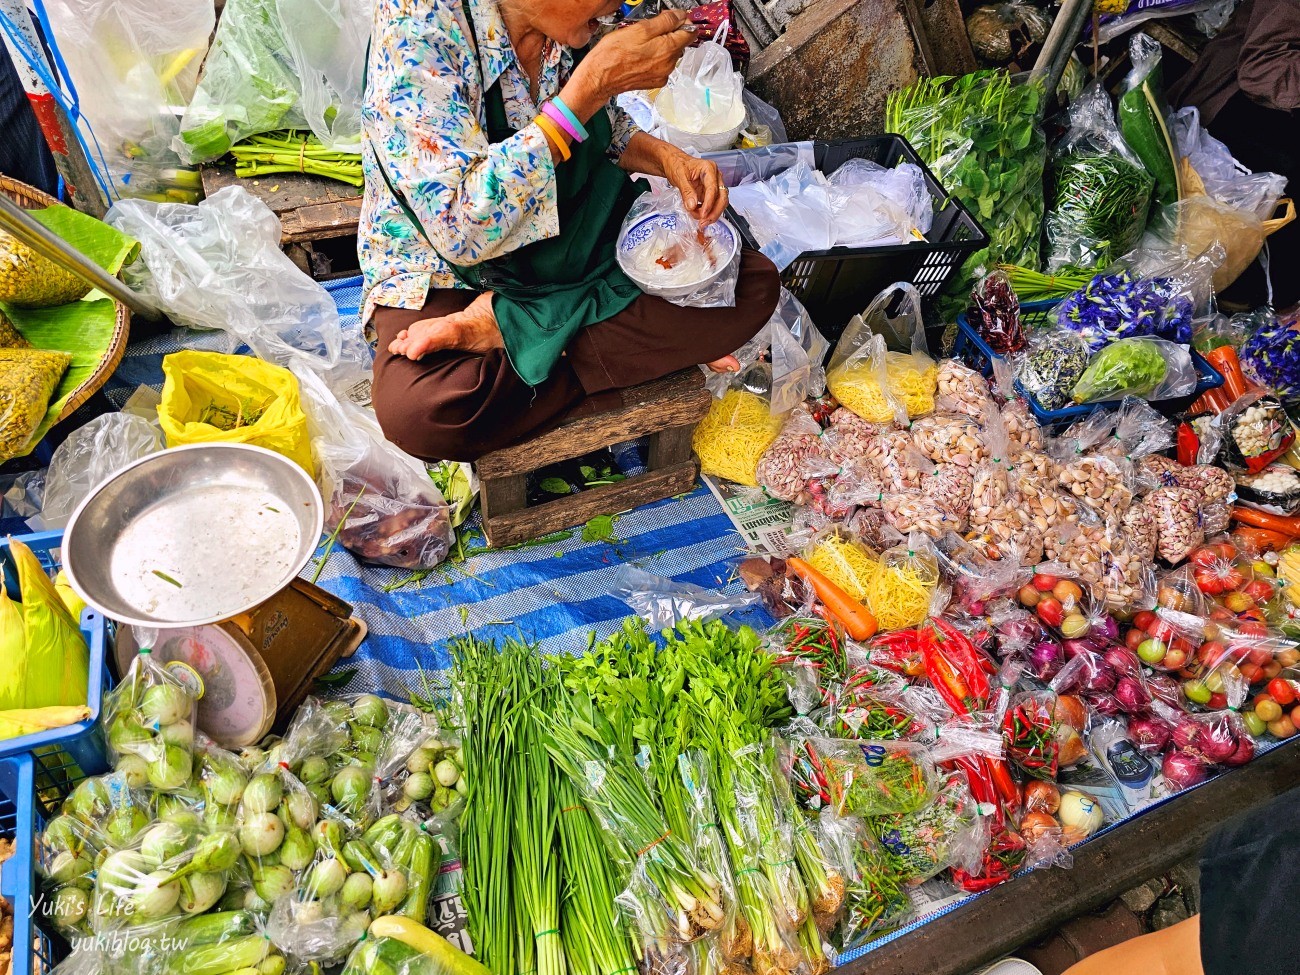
pixel 1031 285
pixel 295 152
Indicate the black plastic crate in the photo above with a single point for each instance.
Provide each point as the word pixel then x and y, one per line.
pixel 836 284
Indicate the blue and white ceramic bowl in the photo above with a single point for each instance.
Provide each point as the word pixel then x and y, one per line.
pixel 723 234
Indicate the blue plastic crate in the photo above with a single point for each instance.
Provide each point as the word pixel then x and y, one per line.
pixel 82 743
pixel 971 348
pixel 21 818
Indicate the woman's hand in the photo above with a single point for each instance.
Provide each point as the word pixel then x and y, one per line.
pixel 699 181
pixel 640 56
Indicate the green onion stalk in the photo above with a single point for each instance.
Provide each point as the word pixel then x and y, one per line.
pixel 1031 285
pixel 535 852
pixel 672 901
pixel 825 883
pixel 596 939
pixel 291 152
pixel 485 701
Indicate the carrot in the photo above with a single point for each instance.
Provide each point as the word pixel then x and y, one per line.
pixel 1282 524
pixel 1224 359
pixel 853 616
pixel 1212 401
pixel 1261 539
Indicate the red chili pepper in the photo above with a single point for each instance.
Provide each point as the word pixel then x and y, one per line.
pixel 961 653
pixel 1005 785
pixel 948 682
pixel 1189 444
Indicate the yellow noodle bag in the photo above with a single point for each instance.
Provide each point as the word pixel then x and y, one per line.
pixel 734 435
pixel 44 660
pixel 881 369
pixel 845 561
pixel 209 397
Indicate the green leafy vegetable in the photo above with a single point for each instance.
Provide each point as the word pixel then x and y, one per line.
pixel 1129 367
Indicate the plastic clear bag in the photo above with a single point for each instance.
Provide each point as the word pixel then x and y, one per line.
pixel 219 266
pixel 390 511
pixel 149 723
pixel 675 259
pixel 1222 176
pixel 888 338
pixel 1146 367
pixel 788 213
pixel 132 63
pixel 873 205
pixel 1144 117
pixel 90 454
pixel 328 41
pixel 738 429
pixel 664 603
pixel 763 124
pixel 1257 432
pixel 1101 192
pixel 963 390
pixel 948 831
pixel 249 84
pixel 702 106
pixel 1051 366
pixel 798 351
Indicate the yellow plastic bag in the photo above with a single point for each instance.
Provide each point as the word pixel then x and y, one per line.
pixel 209 397
pixel 44 660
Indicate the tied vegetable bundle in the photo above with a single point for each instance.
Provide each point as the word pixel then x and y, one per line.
pixel 979 134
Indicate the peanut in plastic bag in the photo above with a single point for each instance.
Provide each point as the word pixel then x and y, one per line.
pixel 209 397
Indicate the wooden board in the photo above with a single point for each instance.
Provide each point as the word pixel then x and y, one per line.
pixel 660 405
pixel 309 207
pixel 1027 908
pixel 576 509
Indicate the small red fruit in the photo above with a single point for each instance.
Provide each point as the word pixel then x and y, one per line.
pixel 1044 582
pixel 1281 691
pixel 1050 611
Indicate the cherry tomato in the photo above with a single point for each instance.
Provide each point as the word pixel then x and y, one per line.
pixel 1252 628
pixel 1217 702
pixel 1281 691
pixel 1207 580
pixel 1204 557
pixel 1144 619
pixel 1045 583
pixel 1268 709
pixel 1271 669
pixel 1050 611
pixel 1251 673
pixel 1283 727
pixel 1134 638
pixel 1259 590
pixel 1225 550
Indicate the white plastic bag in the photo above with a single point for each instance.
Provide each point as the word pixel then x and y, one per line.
pixel 788 214
pixel 133 62
pixel 1225 179
pixel 875 205
pixel 702 106
pixel 390 510
pixel 798 351
pixel 663 251
pixel 92 453
pixel 218 265
pixel 327 40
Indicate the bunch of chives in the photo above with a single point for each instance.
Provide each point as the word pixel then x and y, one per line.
pixel 291 152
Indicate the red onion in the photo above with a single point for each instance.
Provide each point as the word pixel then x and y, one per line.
pixel 1046 659
pixel 1244 753
pixel 1132 696
pixel 1104 704
pixel 1105 629
pixel 1165 688
pixel 1149 733
pixel 1183 770
pixel 1124 661
pixel 1184 733
pixel 1019 630
pixel 1075 648
pixel 1098 675
pixel 1216 743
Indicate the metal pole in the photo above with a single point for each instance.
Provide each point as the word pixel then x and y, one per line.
pixel 16 221
pixel 59 130
pixel 1066 28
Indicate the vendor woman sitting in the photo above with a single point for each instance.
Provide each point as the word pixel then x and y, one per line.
pixel 497 175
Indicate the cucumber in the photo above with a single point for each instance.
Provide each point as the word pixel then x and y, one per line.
pixel 222 956
pixel 423 867
pixel 358 856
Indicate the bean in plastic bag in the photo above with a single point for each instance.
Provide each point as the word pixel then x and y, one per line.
pixel 209 397
pixel 31 281
pixel 1052 365
pixel 1101 192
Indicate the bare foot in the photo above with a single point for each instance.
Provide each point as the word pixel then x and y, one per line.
pixel 472 330
pixel 728 363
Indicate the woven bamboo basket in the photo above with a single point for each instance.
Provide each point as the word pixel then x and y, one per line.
pixel 30 198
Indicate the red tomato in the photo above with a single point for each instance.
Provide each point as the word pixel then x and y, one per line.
pixel 1050 610
pixel 1204 557
pixel 1144 619
pixel 1260 590
pixel 1272 669
pixel 1295 715
pixel 1134 638
pixel 1259 656
pixel 1281 691
pixel 1044 582
pixel 1219 613
pixel 1251 672
pixel 1225 550
pixel 1207 580
pixel 1210 653
pixel 1163 630
pixel 1217 702
pixel 1252 628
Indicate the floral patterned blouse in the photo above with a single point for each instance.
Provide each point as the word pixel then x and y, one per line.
pixel 424 121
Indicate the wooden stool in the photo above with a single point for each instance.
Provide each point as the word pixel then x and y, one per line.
pixel 666 409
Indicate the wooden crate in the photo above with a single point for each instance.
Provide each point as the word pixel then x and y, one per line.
pixel 665 410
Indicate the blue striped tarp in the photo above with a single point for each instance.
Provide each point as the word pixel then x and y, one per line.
pixel 555 595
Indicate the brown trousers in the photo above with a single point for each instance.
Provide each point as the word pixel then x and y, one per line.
pixel 460 405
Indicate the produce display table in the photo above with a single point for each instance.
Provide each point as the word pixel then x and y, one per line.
pixel 310 208
pixel 995 923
